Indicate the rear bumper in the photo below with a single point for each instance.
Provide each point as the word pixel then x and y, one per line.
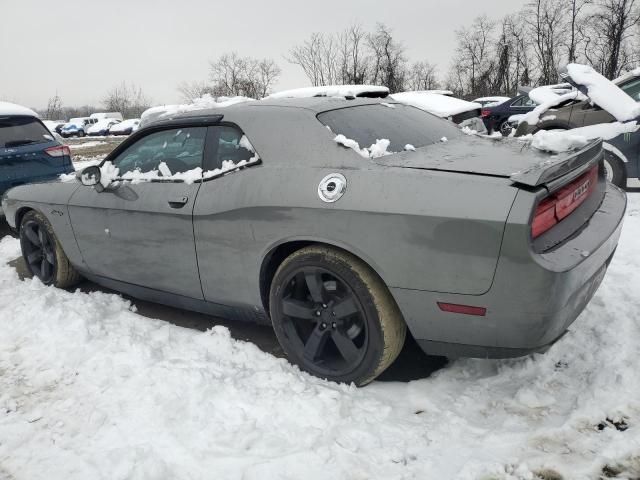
pixel 534 297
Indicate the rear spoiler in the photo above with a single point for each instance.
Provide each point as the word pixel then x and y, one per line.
pixel 559 166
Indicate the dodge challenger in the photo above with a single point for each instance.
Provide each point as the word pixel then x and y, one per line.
pixel 345 223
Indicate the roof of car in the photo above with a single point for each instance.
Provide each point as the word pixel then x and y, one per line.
pixel 314 105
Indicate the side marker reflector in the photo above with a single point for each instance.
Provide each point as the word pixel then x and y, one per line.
pixel 464 309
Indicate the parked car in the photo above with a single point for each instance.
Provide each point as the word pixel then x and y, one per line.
pixel 453 239
pixel 460 112
pixel 622 153
pixel 102 126
pixel 77 127
pixel 496 118
pixel 103 115
pixel 491 101
pixel 126 127
pixel 28 151
pixel 54 126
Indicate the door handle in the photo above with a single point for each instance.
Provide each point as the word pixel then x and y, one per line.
pixel 178 202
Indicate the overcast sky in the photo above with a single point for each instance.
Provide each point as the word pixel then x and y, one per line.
pixel 80 49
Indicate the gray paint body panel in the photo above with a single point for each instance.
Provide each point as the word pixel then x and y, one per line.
pixel 429 228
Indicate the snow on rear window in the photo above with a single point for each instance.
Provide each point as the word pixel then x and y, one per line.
pixel 366 125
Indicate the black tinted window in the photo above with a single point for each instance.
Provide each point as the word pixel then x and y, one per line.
pixel 400 125
pixel 632 89
pixel 16 131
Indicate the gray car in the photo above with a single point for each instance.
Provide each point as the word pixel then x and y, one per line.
pixel 478 247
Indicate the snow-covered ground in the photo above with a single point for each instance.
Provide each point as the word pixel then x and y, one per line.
pixel 89 389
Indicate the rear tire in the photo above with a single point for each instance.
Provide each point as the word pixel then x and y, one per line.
pixel 334 317
pixel 81 133
pixel 615 169
pixel 43 253
pixel 505 128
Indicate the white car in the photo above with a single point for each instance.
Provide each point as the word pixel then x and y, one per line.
pixel 460 112
pixel 103 115
pixel 101 127
pixel 126 127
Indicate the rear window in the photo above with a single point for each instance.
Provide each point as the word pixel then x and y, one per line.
pixel 16 131
pixel 400 124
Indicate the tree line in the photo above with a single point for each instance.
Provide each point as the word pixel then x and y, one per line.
pixel 491 57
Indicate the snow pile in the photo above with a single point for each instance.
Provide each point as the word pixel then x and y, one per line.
pixel 440 105
pixel 332 91
pixel 97 391
pixel 376 150
pixel 8 108
pixel 203 103
pixel 551 100
pixel 604 93
pixel 563 140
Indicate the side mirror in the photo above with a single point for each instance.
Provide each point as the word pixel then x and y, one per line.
pixel 90 176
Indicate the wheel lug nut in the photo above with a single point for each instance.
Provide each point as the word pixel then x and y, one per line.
pixel 323 325
pixel 324 305
pixel 318 313
pixel 334 325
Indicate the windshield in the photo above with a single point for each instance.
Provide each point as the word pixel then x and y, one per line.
pixel 19 130
pixel 400 124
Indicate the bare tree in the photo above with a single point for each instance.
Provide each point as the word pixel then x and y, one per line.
pixel 546 19
pixel 388 64
pixel 473 60
pixel 233 75
pixel 189 91
pixel 422 76
pixel 610 30
pixel 127 99
pixel 318 58
pixel 54 108
pixel 353 57
pixel 575 10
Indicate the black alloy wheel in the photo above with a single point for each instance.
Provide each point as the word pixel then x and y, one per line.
pixel 38 251
pixel 334 316
pixel 324 320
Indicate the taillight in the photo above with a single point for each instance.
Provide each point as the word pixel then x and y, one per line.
pixel 558 206
pixel 485 112
pixel 59 151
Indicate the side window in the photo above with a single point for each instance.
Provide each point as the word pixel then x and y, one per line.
pixel 518 102
pixel 233 146
pixel 180 149
pixel 529 103
pixel 632 89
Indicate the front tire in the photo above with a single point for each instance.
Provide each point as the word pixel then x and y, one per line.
pixel 615 170
pixel 43 253
pixel 334 317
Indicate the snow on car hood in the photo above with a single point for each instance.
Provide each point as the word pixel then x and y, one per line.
pixel 604 93
pixel 8 108
pixel 440 105
pixel 332 91
pixel 101 125
pixel 205 102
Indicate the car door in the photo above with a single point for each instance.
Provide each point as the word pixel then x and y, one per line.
pixel 222 216
pixel 139 230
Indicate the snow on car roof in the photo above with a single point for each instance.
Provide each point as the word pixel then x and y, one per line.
pixel 202 103
pixel 439 105
pixel 8 108
pixel 604 93
pixel 492 99
pixel 332 91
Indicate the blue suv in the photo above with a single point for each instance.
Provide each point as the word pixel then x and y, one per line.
pixel 28 152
